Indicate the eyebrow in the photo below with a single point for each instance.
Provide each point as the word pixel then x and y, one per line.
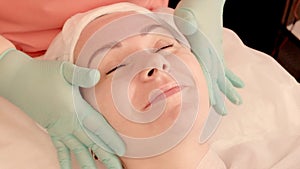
pixel 109 45
pixel 147 29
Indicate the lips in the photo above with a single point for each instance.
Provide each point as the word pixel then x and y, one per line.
pixel 164 93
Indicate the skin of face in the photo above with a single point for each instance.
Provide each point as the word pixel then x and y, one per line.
pixel 188 153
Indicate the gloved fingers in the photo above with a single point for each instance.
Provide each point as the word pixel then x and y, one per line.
pixel 97 128
pixel 185 21
pixel 230 92
pixel 234 79
pixel 101 129
pixel 212 98
pixel 209 82
pixel 80 76
pixel 111 161
pixel 81 152
pixel 89 138
pixel 108 159
pixel 219 107
pixel 63 154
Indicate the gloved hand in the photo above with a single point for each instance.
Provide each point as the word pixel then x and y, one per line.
pixel 48 91
pixel 199 21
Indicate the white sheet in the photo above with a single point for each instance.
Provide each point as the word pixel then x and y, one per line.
pixel 264 129
pixel 264 132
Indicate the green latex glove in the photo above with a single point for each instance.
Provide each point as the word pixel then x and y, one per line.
pixel 48 91
pixel 203 20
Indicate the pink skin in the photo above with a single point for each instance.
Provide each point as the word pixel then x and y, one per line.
pixel 188 153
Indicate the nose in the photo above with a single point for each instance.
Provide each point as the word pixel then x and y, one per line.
pixel 149 65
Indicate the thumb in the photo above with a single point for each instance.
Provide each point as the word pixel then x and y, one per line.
pixel 80 76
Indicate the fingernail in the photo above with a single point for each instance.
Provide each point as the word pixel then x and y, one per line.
pixel 238 100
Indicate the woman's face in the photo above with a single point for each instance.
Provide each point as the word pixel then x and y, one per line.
pixel 151 85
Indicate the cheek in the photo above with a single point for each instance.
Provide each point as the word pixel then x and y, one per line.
pixel 192 63
pixel 104 100
pixel 197 72
pixel 136 96
pixel 139 92
pixel 202 92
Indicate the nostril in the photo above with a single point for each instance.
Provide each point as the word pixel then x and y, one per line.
pixel 150 73
pixel 164 67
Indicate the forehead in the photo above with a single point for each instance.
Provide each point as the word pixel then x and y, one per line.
pixel 109 30
pixel 96 24
pixel 105 19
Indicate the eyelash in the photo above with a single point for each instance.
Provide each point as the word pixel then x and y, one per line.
pixel 164 47
pixel 115 68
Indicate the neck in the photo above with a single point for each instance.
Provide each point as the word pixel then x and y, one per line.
pixel 187 154
pixel 177 158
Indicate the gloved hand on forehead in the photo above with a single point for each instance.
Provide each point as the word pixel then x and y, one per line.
pixel 48 91
pixel 199 20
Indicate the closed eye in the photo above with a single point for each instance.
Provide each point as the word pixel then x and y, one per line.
pixel 114 69
pixel 164 47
